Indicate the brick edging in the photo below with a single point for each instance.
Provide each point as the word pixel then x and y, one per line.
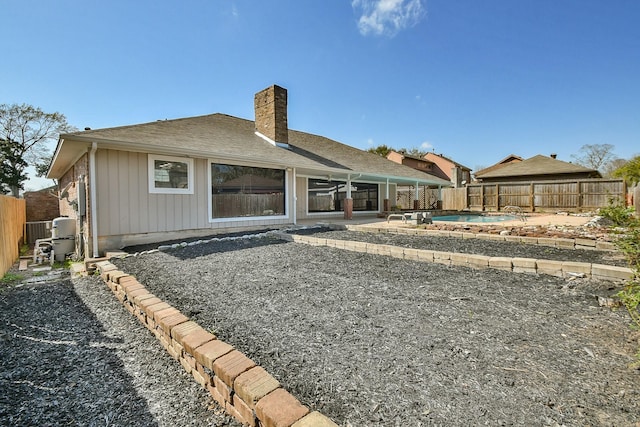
pixel 555 242
pixel 516 265
pixel 245 390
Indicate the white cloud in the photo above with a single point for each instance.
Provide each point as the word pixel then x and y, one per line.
pixel 387 17
pixel 370 142
pixel 425 146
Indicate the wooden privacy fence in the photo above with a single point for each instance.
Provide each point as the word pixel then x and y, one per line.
pixel 569 195
pixel 428 198
pixel 13 216
pixel 454 199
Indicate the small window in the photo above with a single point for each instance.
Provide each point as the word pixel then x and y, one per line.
pixel 170 175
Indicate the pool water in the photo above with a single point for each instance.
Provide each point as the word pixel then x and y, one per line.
pixel 475 218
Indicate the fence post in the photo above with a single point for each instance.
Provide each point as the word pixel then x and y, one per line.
pixel 579 202
pixel 532 197
pixel 481 197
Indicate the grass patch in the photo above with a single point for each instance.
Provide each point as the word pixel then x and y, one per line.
pixel 11 278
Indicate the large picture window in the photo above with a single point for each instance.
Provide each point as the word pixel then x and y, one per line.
pixel 328 196
pixel 170 175
pixel 245 191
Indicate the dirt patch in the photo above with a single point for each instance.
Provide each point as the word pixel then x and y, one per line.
pixel 371 340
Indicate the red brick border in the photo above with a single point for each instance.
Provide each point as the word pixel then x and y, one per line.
pixel 245 391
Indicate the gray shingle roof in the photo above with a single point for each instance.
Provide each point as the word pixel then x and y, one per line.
pixel 221 136
pixel 536 165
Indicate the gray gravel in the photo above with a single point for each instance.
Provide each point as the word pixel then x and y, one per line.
pixel 474 246
pixel 374 341
pixel 71 355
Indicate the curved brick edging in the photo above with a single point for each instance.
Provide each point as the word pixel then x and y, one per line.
pixel 555 242
pixel 245 391
pixel 516 265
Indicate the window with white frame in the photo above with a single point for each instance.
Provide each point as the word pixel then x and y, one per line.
pixel 170 175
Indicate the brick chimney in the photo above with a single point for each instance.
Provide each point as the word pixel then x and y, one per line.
pixel 271 114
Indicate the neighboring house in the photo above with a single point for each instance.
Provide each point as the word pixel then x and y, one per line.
pixel 42 205
pixel 458 174
pixel 435 165
pixel 511 158
pixel 415 162
pixel 196 176
pixel 536 168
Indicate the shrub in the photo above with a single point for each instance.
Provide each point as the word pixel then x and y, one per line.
pixel 619 214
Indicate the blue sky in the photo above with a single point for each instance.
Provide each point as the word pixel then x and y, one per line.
pixel 475 80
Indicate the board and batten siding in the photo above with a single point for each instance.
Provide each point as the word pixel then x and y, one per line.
pixel 125 205
pixel 129 214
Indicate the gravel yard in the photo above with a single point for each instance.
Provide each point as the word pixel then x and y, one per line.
pixel 365 339
pixel 375 341
pixel 71 355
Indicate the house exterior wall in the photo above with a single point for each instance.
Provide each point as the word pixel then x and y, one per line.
pixel 42 205
pixel 72 180
pixel 417 164
pixel 395 157
pixel 128 214
pixel 443 164
pixel 421 165
pixel 450 170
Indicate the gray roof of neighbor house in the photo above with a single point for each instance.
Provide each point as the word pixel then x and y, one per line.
pixel 511 158
pixel 227 138
pixel 536 165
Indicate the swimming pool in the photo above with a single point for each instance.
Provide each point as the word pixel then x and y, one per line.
pixel 475 218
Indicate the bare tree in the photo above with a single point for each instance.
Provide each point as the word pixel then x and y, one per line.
pixel 25 130
pixel 609 167
pixel 594 156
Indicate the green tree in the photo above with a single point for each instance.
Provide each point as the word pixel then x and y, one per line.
pixel 630 171
pixel 26 130
pixel 380 150
pixel 12 168
pixel 42 167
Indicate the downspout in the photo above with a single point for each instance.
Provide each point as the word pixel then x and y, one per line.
pixel 92 196
pixel 295 198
